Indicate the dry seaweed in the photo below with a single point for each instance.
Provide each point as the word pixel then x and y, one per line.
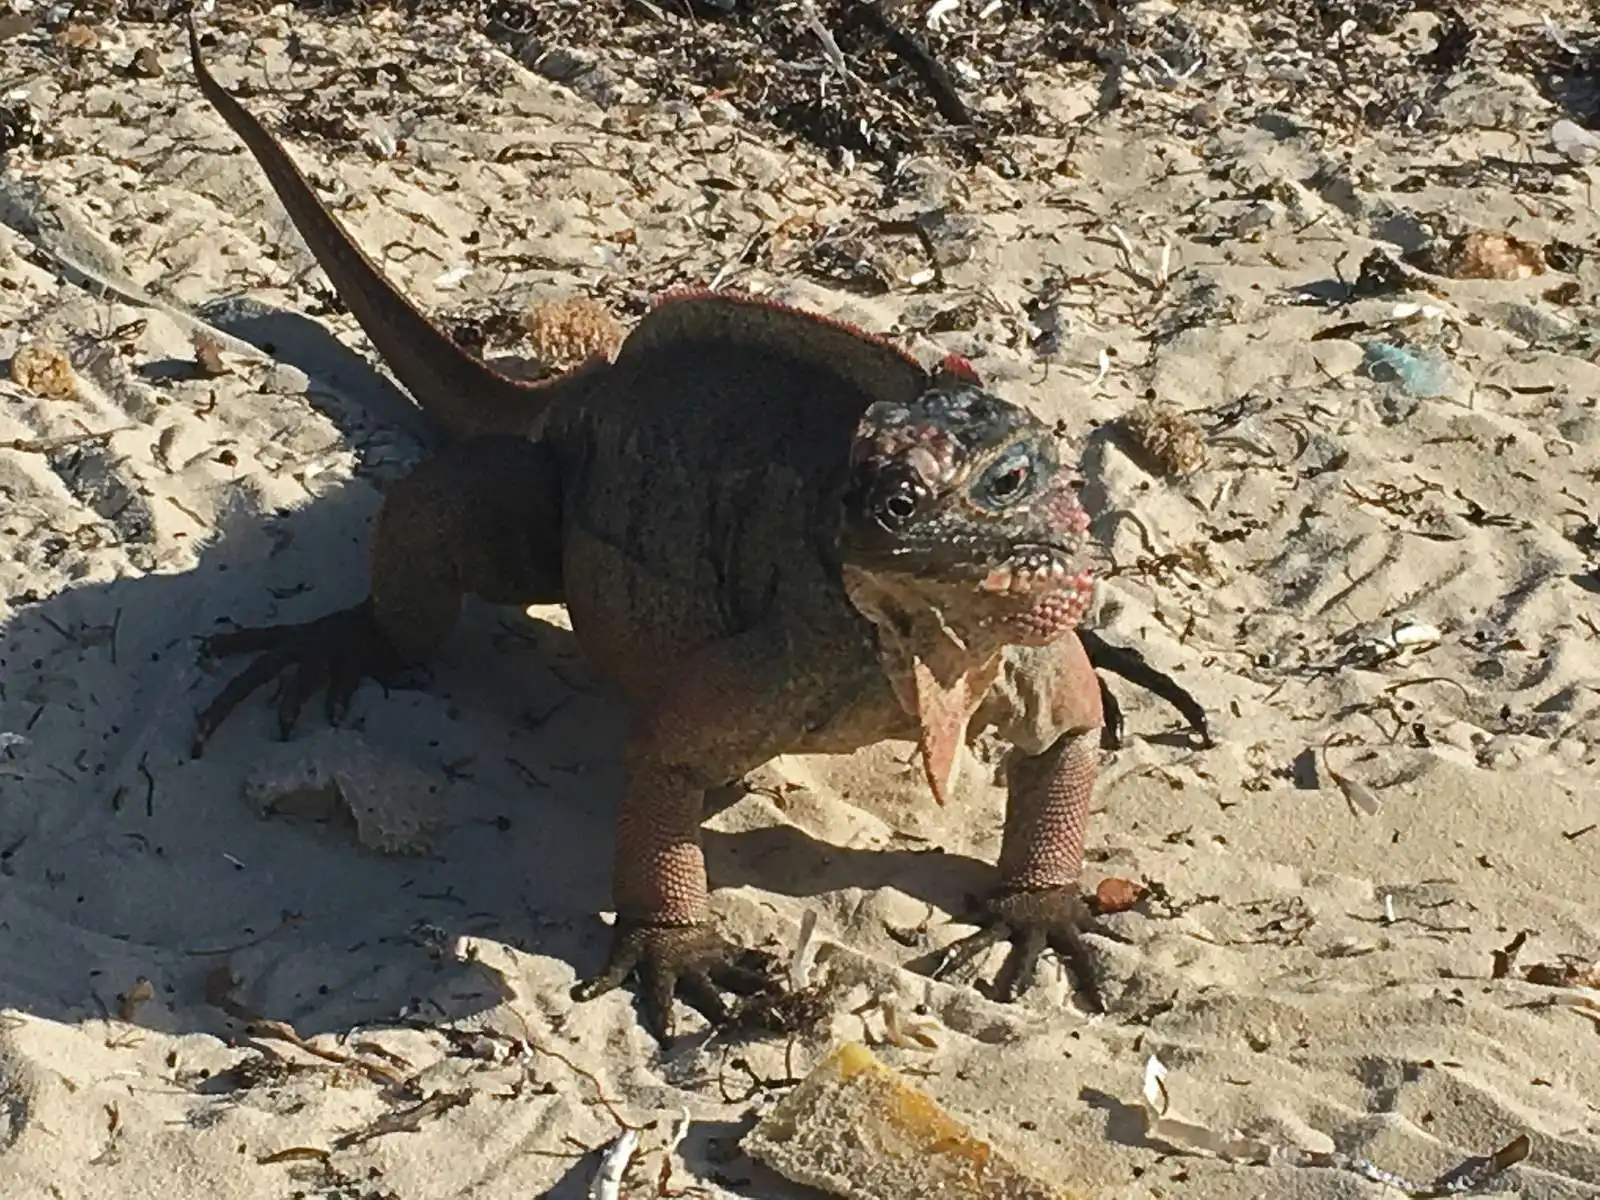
pixel 882 83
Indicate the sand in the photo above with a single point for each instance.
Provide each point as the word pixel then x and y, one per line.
pixel 1376 594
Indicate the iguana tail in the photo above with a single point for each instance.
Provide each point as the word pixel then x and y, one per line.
pixel 455 389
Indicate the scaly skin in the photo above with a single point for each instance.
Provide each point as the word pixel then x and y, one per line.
pixel 774 533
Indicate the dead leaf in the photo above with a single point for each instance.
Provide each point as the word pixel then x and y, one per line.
pixel 1118 895
pixel 1564 975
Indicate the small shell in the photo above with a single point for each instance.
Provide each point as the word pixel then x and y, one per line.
pixel 1409 632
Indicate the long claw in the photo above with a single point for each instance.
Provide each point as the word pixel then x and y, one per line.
pixel 234 693
pixel 623 960
pixel 343 679
pixel 740 980
pixel 1020 964
pixel 1033 922
pixel 659 987
pixel 960 955
pixel 700 994
pixel 688 961
pixel 1068 943
pixel 298 687
pixel 335 652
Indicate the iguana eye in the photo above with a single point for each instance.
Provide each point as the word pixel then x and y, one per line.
pixel 1008 480
pixel 1004 487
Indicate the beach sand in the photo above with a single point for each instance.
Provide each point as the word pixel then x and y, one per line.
pixel 1379 596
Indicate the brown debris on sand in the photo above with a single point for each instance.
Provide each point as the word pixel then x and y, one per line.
pixel 1169 440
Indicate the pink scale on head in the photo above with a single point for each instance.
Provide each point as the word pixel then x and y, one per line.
pixel 932 451
pixel 1069 513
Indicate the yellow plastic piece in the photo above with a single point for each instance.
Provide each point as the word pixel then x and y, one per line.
pixel 855 1128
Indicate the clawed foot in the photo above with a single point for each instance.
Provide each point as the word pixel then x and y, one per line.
pixel 691 961
pixel 335 652
pixel 1032 922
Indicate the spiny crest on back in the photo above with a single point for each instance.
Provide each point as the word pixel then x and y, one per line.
pixel 872 365
pixel 753 308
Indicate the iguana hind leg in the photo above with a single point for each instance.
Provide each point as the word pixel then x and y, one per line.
pixel 481 518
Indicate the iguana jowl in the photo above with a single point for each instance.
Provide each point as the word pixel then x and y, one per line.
pixel 773 533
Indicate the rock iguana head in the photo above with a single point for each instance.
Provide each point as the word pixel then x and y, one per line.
pixel 958 502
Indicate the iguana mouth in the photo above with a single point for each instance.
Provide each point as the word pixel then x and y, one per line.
pixel 1035 569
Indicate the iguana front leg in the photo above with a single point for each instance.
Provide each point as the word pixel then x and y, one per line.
pixel 735 704
pixel 483 517
pixel 664 933
pixel 1047 706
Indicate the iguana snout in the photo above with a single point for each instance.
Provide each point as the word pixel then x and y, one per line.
pixel 960 500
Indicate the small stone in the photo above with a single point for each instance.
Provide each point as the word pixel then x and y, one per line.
pixel 1534 324
pixel 285 380
pixel 146 63
pixel 1574 141
pixel 1258 219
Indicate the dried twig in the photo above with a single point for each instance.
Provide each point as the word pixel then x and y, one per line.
pixel 406 1120
pixel 915 55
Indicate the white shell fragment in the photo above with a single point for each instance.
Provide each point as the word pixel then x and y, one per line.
pixel 1574 141
pixel 940 10
pixel 1358 793
pixel 805 952
pixel 1408 632
pixel 607 1183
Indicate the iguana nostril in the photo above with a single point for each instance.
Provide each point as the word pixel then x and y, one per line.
pixel 901 506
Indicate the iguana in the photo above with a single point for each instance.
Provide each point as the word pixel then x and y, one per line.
pixel 773 533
